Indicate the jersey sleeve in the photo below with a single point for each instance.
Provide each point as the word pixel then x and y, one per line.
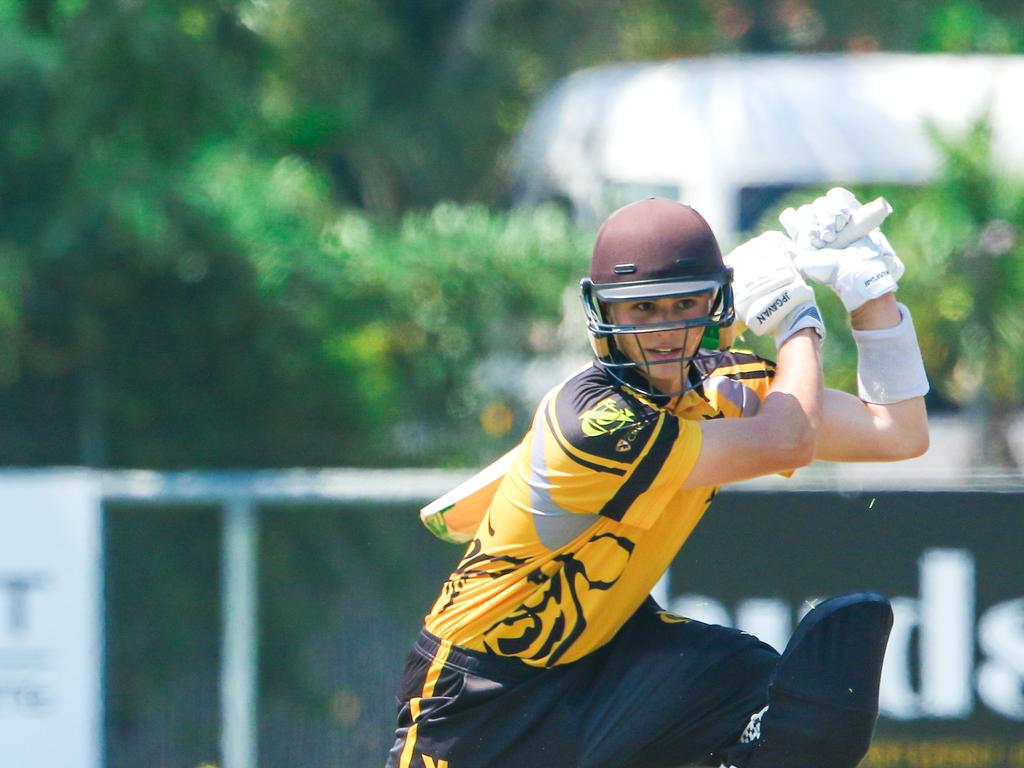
pixel 607 454
pixel 737 383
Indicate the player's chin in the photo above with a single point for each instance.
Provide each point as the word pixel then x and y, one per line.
pixel 667 377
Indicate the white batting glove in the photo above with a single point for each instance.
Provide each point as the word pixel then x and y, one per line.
pixel 858 265
pixel 817 224
pixel 769 294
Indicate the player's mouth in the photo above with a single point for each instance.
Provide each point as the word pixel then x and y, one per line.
pixel 660 354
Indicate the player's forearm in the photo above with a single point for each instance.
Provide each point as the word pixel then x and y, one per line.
pixel 792 410
pixel 852 430
pixel 855 430
pixel 877 314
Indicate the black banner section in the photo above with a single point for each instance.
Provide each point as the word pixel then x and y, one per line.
pixel 953 565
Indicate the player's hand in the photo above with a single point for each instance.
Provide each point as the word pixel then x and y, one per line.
pixel 769 293
pixel 835 249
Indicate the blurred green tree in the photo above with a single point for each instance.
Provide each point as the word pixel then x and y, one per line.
pixel 169 297
pixel 963 236
pixel 174 177
pixel 110 262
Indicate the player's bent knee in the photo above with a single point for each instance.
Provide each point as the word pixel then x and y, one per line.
pixel 823 698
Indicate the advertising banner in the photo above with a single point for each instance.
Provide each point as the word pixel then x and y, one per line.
pixel 50 620
pixel 952 691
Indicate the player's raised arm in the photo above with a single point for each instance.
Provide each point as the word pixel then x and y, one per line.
pixel 887 420
pixel 771 297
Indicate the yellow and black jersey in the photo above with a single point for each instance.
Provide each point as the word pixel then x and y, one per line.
pixel 590 514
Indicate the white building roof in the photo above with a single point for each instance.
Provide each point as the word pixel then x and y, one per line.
pixel 709 127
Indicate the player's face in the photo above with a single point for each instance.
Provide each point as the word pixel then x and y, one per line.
pixel 657 354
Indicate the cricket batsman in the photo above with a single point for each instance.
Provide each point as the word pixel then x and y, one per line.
pixel 544 648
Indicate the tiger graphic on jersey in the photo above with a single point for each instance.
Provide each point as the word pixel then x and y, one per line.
pixel 590 514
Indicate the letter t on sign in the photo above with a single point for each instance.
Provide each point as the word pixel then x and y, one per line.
pixel 17 589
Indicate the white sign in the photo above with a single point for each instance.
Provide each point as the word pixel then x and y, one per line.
pixel 50 620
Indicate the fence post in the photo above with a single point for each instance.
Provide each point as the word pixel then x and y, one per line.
pixel 238 681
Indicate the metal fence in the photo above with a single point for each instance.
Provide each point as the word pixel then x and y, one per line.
pixel 238 498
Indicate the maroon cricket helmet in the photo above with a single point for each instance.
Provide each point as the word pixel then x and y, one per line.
pixel 648 250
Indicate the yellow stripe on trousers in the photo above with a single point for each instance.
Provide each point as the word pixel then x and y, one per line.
pixel 433 673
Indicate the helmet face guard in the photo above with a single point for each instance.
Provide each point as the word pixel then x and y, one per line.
pixel 604 333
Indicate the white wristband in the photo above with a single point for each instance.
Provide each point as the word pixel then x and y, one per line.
pixel 889 364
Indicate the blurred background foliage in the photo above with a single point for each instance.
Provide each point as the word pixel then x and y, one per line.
pixel 278 233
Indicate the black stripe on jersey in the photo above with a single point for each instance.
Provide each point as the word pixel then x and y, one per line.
pixel 711 363
pixel 568 451
pixel 644 474
pixel 765 374
pixel 736 357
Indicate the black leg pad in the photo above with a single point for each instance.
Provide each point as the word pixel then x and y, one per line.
pixel 823 698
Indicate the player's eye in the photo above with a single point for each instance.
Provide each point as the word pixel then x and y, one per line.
pixel 686 303
pixel 643 307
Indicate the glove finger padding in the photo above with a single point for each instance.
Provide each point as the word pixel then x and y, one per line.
pixel 768 289
pixel 817 264
pixel 817 224
pixel 858 273
pixel 881 242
